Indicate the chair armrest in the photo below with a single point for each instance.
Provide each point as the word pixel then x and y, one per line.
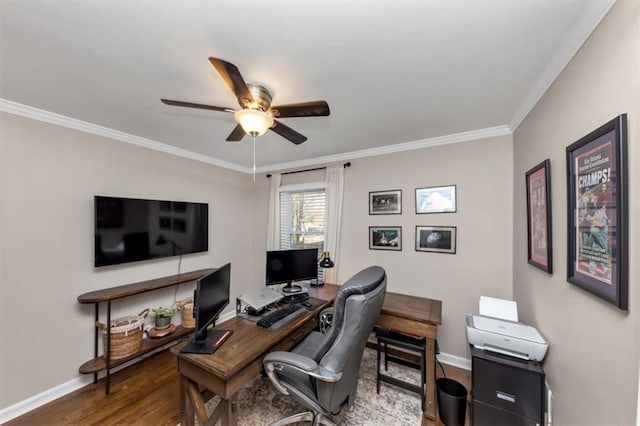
pixel 276 361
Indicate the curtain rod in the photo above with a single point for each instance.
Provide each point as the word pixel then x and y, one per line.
pixel 345 165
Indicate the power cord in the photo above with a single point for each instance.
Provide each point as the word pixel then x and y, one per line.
pixel 438 361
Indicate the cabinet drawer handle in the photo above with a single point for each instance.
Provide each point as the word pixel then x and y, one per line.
pixel 505 396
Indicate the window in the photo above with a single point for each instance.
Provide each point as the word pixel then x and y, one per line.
pixel 302 215
pixel 302 218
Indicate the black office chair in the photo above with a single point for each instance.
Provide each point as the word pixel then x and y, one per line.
pixel 322 371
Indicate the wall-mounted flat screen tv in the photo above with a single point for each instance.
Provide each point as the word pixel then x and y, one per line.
pixel 131 229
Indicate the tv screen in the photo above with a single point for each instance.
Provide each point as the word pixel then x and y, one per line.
pixel 285 266
pixel 131 229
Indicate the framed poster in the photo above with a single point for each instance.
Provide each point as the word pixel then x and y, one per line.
pixel 385 238
pixel 437 239
pixel 437 199
pixel 597 212
pixel 385 202
pixel 539 250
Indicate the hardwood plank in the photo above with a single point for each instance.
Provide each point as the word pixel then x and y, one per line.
pixel 119 292
pixel 413 308
pixel 148 345
pixel 148 393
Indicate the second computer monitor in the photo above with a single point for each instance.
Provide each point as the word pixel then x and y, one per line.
pixel 287 266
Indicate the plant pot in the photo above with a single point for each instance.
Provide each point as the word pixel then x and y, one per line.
pixel 162 322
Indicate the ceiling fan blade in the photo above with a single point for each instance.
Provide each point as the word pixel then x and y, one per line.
pixel 231 75
pixel 237 134
pixel 192 105
pixel 302 109
pixel 288 133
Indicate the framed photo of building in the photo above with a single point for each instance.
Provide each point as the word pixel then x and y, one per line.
pixel 385 202
pixel 539 249
pixel 597 213
pixel 385 238
pixel 436 239
pixel 437 199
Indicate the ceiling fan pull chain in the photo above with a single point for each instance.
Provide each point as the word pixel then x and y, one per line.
pixel 254 158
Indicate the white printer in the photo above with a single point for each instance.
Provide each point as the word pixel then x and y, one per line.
pixel 498 330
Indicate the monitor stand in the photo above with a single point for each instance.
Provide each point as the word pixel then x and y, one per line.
pixel 215 339
pixel 294 293
pixel 291 289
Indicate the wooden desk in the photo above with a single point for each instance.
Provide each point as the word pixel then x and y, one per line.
pixel 238 361
pixel 418 316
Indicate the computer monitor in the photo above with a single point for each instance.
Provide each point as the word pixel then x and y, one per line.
pixel 287 266
pixel 210 298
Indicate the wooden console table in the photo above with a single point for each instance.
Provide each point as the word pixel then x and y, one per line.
pixel 421 317
pixel 99 363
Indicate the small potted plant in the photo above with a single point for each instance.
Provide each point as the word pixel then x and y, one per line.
pixel 162 317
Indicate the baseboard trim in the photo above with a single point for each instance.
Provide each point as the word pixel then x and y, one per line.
pixel 31 403
pixel 454 360
pixel 42 398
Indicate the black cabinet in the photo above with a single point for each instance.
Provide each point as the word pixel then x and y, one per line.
pixel 506 390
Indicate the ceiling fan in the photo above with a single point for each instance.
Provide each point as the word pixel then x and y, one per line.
pixel 257 115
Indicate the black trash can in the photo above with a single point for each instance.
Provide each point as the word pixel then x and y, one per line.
pixel 452 402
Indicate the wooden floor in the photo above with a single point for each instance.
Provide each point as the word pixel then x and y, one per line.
pixel 144 394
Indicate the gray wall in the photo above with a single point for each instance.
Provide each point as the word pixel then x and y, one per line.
pixel 592 364
pixel 49 176
pixel 482 172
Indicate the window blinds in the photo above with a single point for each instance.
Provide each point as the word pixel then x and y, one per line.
pixel 302 219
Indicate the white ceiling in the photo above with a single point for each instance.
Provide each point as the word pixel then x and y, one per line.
pixel 396 74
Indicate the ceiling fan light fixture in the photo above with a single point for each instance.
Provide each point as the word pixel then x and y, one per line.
pixel 253 121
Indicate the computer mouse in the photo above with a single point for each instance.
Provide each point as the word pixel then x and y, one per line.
pixel 307 304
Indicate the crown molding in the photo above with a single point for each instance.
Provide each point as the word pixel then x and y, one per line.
pixel 83 126
pixel 391 149
pixel 586 24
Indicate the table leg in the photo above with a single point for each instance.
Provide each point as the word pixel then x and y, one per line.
pixel 226 412
pixel 230 411
pixel 186 407
pixel 430 360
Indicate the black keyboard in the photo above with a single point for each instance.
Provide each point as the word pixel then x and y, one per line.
pixel 282 316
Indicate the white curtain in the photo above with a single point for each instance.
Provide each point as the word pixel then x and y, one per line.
pixel 333 220
pixel 273 227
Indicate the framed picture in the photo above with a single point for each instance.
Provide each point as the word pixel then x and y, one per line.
pixel 437 239
pixel 597 213
pixel 437 199
pixel 539 249
pixel 385 202
pixel 385 238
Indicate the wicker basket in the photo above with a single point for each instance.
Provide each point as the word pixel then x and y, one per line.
pixel 126 335
pixel 186 310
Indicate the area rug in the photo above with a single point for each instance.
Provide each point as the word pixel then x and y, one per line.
pixel 260 404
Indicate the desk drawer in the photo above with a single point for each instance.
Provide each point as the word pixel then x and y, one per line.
pixel 508 388
pixel 486 415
